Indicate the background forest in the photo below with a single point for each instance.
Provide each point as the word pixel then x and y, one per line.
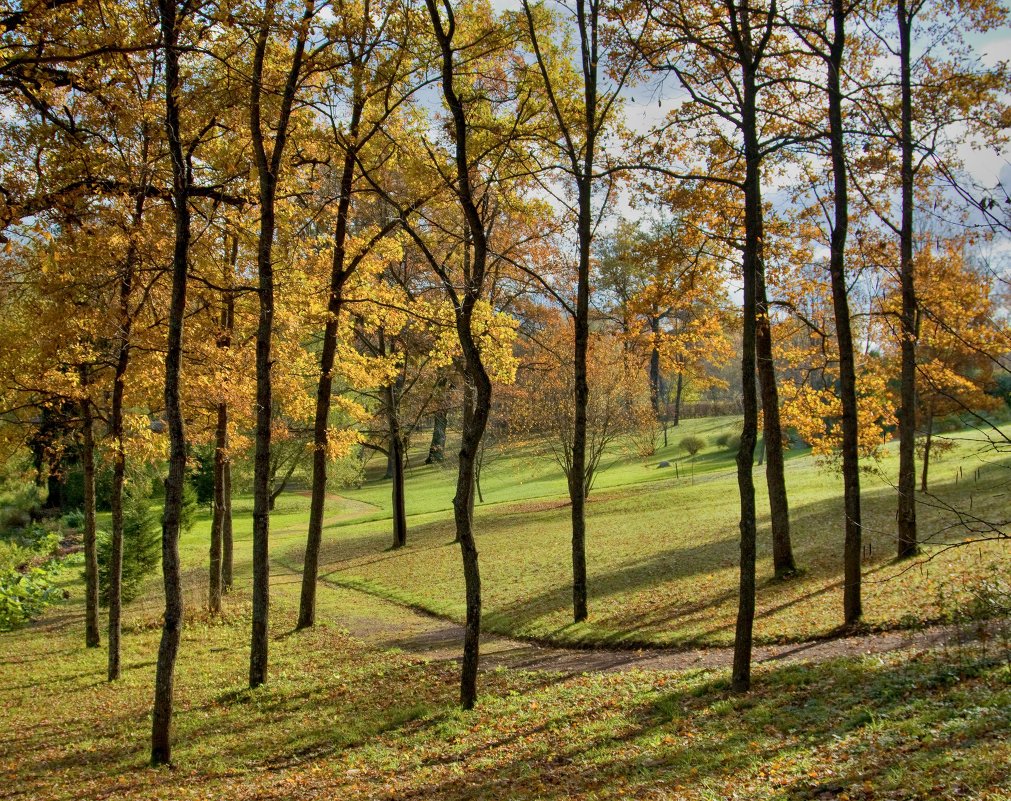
pixel 302 303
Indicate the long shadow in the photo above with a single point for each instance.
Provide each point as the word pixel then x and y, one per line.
pixel 822 565
pixel 821 562
pixel 800 713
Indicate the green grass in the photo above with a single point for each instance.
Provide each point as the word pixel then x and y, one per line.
pixel 340 718
pixel 662 551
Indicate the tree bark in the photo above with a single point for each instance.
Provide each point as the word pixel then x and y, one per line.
pixel 577 473
pixel 852 547
pixel 775 469
pixel 655 394
pixel 437 449
pixel 268 168
pixel 92 638
pixel 217 583
pixel 161 721
pixel 396 453
pixel 119 463
pixel 463 508
pixel 473 287
pixel 677 399
pixel 929 440
pixel 214 589
pixel 907 536
pixel 324 392
pixel 581 390
pixel 399 508
pixel 227 547
pixel 753 275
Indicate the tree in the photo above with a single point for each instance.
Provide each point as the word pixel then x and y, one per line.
pixel 929 83
pixel 161 720
pixel 959 333
pixel 382 67
pixel 582 100
pixel 474 192
pixel 543 408
pixel 268 145
pixel 141 547
pixel 828 42
pixel 728 60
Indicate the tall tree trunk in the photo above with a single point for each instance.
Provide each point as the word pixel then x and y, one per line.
pixel 324 393
pixel 227 546
pixel 677 398
pixel 577 473
pixel 437 449
pixel 775 469
pixel 753 269
pixel 396 453
pixel 929 423
pixel 476 374
pixel 852 548
pixel 217 583
pixel 268 168
pixel 161 719
pixel 214 589
pixel 92 638
pixel 655 393
pixel 907 539
pixel 399 509
pixel 119 461
pixel 261 459
pixel 463 511
pixel 467 422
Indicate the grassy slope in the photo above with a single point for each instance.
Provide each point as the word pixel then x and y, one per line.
pixel 340 720
pixel 662 552
pixel 337 720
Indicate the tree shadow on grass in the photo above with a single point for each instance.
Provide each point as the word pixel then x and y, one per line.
pixel 818 553
pixel 795 713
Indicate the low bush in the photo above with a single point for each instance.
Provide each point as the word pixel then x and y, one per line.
pixel 28 563
pixel 25 595
pixel 74 519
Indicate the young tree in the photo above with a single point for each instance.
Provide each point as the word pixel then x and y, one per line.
pixel 928 84
pixel 822 29
pixel 269 138
pixel 478 168
pixel 736 68
pixel 171 22
pixel 542 407
pixel 959 335
pixel 583 100
pixel 372 42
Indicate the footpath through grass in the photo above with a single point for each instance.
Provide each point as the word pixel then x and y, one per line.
pixel 663 551
pixel 340 720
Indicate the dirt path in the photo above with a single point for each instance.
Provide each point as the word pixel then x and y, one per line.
pixel 388 624
pixel 436 639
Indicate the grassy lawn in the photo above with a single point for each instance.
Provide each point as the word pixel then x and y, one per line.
pixel 340 720
pixel 663 551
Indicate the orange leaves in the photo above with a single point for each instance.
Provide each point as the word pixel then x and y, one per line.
pixel 816 412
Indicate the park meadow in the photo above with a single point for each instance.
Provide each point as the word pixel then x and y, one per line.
pixel 505 399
